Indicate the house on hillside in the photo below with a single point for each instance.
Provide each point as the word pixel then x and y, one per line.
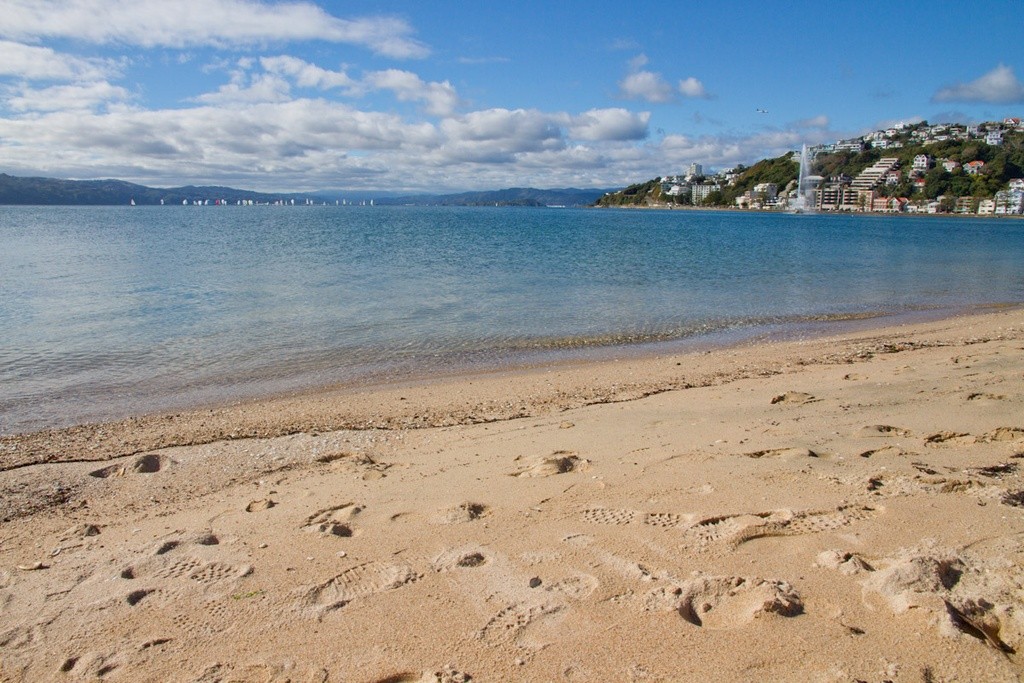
pixel 854 145
pixel 994 138
pixel 922 162
pixel 949 165
pixel 973 167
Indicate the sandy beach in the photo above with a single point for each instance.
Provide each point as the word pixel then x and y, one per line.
pixel 847 508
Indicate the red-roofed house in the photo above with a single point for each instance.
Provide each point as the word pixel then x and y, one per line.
pixel 973 167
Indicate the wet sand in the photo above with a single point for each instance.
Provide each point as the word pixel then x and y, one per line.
pixel 835 509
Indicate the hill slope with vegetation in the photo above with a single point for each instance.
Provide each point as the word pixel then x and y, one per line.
pixel 1002 163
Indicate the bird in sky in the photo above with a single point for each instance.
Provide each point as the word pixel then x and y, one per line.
pixel 762 111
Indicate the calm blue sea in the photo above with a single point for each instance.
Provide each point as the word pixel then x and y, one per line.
pixel 111 311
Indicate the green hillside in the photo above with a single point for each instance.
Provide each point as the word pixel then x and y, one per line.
pixel 1003 163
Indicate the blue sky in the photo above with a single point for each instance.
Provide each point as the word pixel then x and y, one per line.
pixel 445 96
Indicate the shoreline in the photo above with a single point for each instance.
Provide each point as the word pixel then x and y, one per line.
pixel 473 396
pixel 884 214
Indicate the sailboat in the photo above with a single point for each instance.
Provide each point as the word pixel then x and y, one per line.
pixel 132 202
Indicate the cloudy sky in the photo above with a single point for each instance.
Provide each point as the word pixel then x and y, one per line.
pixel 410 96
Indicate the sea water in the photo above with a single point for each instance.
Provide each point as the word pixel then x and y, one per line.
pixel 111 311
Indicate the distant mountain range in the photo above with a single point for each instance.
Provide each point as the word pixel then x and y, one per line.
pixel 54 191
pixel 47 191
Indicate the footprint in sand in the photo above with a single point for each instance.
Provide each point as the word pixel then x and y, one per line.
pixel 881 430
pixel 665 520
pixel 783 453
pixel 461 558
pixel 262 504
pixel 726 527
pixel 217 672
pixel 173 566
pixel 558 462
pixel 358 582
pixel 946 437
pixel 608 516
pixel 964 594
pixel 575 587
pixel 333 521
pixel 93 665
pixel 739 529
pixel 510 621
pixel 722 602
pixel 143 464
pixel 845 563
pixel 1002 434
pixel 794 397
pixel 462 513
pixel 827 520
pixel 447 675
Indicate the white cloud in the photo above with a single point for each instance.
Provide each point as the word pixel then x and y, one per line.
pixel 646 85
pixel 184 23
pixel 260 88
pixel 498 135
pixel 609 124
pixel 42 63
pixel 999 86
pixel 641 84
pixel 66 97
pixel 306 75
pixel 691 87
pixel 315 143
pixel 439 99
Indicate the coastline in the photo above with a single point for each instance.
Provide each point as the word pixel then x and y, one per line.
pixel 835 508
pixel 469 396
pixel 884 214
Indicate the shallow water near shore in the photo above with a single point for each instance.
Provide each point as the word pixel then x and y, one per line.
pixel 112 311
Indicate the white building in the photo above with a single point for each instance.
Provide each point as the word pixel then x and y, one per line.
pixel 698 193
